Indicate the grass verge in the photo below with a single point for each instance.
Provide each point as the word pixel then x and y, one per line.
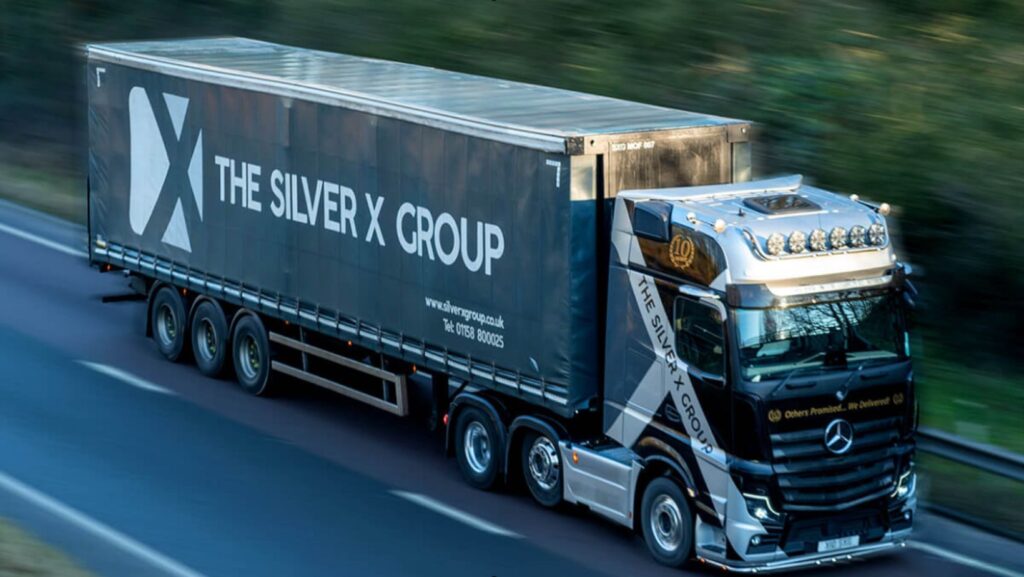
pixel 22 555
pixel 60 193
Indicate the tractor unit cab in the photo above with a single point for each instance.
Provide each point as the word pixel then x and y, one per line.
pixel 757 334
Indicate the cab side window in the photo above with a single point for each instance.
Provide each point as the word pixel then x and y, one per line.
pixel 700 336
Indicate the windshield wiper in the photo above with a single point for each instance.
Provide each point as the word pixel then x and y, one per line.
pixel 844 389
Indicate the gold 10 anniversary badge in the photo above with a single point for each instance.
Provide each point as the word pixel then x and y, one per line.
pixel 681 252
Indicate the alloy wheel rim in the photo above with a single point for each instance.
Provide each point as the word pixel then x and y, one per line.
pixel 666 521
pixel 249 358
pixel 167 325
pixel 544 464
pixel 207 340
pixel 477 447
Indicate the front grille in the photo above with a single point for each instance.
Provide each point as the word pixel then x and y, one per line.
pixel 810 477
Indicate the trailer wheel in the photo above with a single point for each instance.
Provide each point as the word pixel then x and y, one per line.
pixel 251 355
pixel 542 468
pixel 169 322
pixel 477 448
pixel 667 522
pixel 210 338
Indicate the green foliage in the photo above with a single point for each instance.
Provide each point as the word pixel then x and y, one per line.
pixel 918 103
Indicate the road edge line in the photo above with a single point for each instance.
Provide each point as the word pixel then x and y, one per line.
pixel 98 529
pixel 963 559
pixel 51 244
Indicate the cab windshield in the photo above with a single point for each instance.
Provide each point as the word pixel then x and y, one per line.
pixel 831 334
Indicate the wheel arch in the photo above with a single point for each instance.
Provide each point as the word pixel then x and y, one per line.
pixel 661 460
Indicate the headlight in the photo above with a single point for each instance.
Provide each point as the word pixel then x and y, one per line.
pixel 760 508
pixel 906 484
pixel 775 244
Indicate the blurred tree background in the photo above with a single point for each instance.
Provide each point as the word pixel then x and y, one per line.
pixel 916 102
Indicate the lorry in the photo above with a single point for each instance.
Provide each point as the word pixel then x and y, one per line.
pixel 590 296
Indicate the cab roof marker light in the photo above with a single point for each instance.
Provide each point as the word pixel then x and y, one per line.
pixel 719 226
pixel 797 242
pixel 838 238
pixel 884 209
pixel 858 236
pixel 817 240
pixel 876 234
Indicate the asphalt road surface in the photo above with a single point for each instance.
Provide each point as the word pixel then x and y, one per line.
pixel 135 466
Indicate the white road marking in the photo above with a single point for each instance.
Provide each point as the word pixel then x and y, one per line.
pixel 127 378
pixel 43 241
pixel 963 559
pixel 123 542
pixel 453 513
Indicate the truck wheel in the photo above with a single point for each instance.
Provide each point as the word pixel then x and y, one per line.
pixel 667 522
pixel 251 355
pixel 210 338
pixel 169 323
pixel 542 468
pixel 477 448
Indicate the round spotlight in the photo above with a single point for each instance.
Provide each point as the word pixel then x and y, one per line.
pixel 838 238
pixel 797 242
pixel 776 242
pixel 817 240
pixel 858 236
pixel 876 234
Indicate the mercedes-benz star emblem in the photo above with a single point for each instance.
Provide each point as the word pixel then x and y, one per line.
pixel 839 436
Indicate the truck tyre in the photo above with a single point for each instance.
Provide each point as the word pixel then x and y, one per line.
pixel 169 323
pixel 250 354
pixel 210 338
pixel 477 448
pixel 542 468
pixel 667 522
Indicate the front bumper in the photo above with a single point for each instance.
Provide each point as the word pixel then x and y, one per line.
pixel 792 544
pixel 890 544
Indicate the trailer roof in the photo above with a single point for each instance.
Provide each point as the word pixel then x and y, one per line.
pixel 525 114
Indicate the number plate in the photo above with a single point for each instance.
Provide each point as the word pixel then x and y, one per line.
pixel 837 544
